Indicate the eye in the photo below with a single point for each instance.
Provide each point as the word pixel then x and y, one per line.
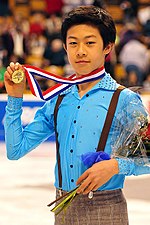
pixel 90 42
pixel 73 43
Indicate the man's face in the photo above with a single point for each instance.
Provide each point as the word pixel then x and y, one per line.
pixel 84 46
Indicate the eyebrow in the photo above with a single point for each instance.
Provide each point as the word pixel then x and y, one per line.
pixel 89 36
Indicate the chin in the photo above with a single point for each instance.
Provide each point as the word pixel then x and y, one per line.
pixel 83 72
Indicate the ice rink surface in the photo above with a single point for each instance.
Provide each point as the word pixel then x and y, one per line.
pixel 26 187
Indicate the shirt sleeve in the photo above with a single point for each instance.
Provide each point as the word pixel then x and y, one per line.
pixel 126 119
pixel 128 167
pixel 19 140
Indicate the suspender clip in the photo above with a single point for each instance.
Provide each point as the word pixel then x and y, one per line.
pixel 60 192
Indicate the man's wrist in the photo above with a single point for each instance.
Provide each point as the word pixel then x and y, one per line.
pixel 115 166
pixel 126 166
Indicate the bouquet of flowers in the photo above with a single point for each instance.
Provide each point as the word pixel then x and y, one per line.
pixel 132 138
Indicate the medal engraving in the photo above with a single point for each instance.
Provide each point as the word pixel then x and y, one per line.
pixel 17 76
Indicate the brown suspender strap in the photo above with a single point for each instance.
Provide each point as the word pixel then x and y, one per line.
pixel 105 131
pixel 109 118
pixel 59 100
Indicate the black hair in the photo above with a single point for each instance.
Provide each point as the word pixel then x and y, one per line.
pixel 94 16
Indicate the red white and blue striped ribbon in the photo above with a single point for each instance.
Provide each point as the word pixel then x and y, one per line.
pixel 63 82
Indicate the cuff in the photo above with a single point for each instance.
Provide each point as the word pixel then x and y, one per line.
pixel 126 166
pixel 14 103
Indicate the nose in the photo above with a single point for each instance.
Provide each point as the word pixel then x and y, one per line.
pixel 81 51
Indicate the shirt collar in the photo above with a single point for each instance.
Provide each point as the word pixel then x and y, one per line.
pixel 107 83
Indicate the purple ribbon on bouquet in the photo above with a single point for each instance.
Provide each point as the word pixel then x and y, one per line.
pixel 90 158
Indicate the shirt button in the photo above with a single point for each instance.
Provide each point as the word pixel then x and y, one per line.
pixel 74 121
pixel 87 95
pixel 72 180
pixel 71 166
pixel 71 151
pixel 78 107
pixel 72 136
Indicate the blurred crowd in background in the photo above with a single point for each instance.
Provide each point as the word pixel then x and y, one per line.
pixel 30 34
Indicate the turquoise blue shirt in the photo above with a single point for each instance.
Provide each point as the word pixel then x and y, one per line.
pixel 80 122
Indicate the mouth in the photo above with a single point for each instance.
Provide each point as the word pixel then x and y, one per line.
pixel 82 62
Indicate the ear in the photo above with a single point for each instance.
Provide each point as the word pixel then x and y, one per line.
pixel 108 48
pixel 65 47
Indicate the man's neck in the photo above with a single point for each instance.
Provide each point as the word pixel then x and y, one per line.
pixel 85 87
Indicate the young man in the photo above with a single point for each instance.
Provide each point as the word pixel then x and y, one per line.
pixel 88 35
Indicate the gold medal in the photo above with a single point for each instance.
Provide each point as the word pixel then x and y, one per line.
pixel 17 76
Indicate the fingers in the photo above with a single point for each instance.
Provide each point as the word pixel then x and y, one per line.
pixel 14 66
pixel 10 69
pixel 83 186
pixel 17 66
pixel 86 186
pixel 8 74
pixel 11 66
pixel 82 177
pixel 87 189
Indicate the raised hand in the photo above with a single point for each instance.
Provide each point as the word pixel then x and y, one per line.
pixel 14 89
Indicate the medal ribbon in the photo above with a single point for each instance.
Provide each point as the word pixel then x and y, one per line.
pixel 63 82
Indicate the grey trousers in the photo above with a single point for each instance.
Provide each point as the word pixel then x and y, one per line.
pixel 105 208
